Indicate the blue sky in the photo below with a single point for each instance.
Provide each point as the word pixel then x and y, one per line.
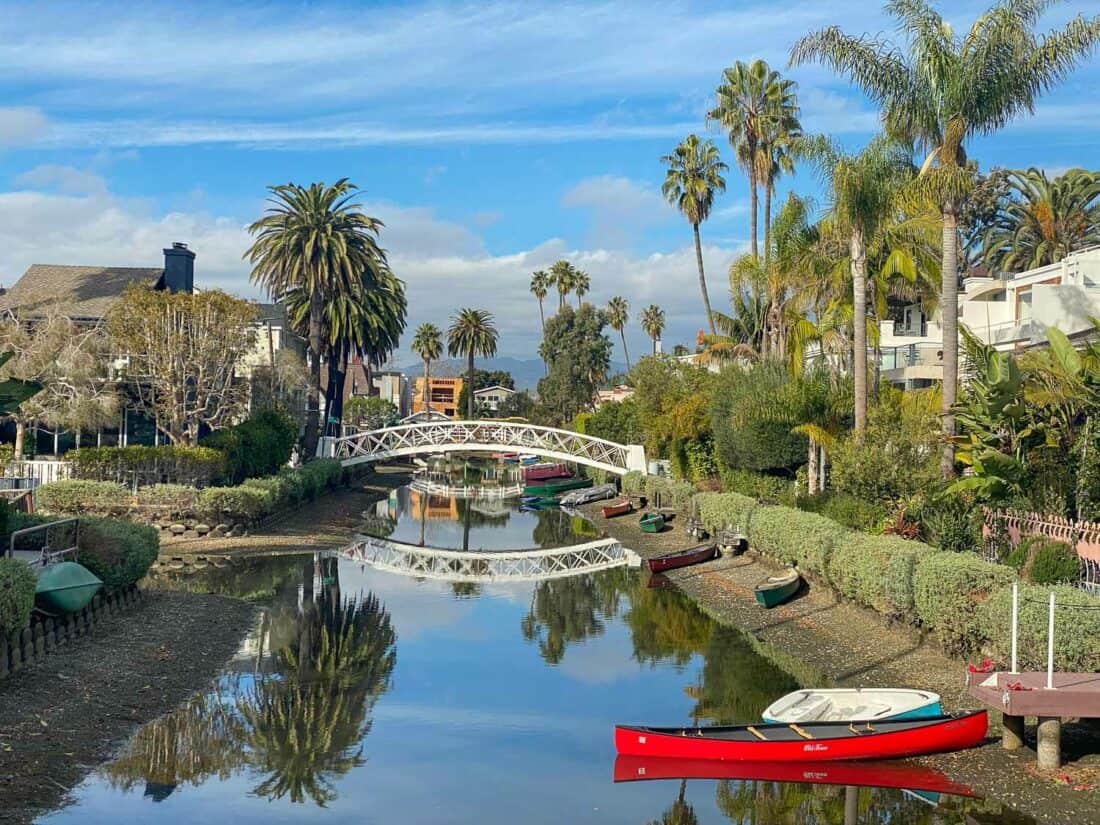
pixel 491 138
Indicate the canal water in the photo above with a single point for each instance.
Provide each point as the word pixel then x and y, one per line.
pixel 368 697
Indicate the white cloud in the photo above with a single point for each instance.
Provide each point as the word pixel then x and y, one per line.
pixel 21 124
pixel 619 208
pixel 66 179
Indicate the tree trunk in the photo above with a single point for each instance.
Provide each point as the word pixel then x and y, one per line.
pixel 858 256
pixel 811 469
pixel 313 397
pixel 822 463
pixel 753 200
pixel 470 385
pixel 626 354
pixel 542 318
pixel 427 385
pixel 768 191
pixel 338 375
pixel 949 306
pixel 20 438
pixel 654 344
pixel 271 361
pixel 702 278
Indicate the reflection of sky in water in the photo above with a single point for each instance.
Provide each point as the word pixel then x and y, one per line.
pixel 478 728
pixel 474 524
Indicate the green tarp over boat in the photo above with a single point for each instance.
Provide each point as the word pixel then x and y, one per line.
pixel 65 587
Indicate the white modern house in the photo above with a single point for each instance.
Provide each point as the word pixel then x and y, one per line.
pixel 490 398
pixel 1011 311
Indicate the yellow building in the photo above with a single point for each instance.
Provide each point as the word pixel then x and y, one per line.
pixel 443 392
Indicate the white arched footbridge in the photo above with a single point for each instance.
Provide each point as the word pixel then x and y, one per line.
pixel 484 436
pixel 487 566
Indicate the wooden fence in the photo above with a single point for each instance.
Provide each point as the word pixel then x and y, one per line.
pixel 1083 536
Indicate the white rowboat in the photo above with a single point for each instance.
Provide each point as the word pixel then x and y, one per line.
pixel 853 704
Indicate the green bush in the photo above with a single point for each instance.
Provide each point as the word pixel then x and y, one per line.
pixel 231 504
pixel 633 482
pixel 1053 562
pixel 142 465
pixel 179 498
pixel 675 494
pixel 845 509
pixel 119 552
pixel 795 537
pixel 877 572
pixel 274 491
pixel 949 590
pixel 746 434
pixel 773 489
pixel 1075 631
pixel 951 523
pixel 75 497
pixel 17 583
pixel 257 447
pixel 720 510
pixel 5 514
pixel 1018 557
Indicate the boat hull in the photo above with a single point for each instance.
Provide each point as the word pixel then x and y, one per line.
pixel 65 587
pixel 557 487
pixel 620 508
pixel 847 704
pixel 652 523
pixel 545 472
pixel 684 558
pixel 879 774
pixel 770 593
pixel 812 742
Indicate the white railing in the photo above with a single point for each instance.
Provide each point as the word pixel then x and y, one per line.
pixel 484 436
pixel 486 566
pixel 472 491
pixel 33 473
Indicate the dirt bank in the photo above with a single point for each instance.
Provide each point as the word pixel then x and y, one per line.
pixel 822 641
pixel 61 718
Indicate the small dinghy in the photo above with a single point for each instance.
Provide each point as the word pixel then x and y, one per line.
pixel 777 589
pixel 599 493
pixel 812 742
pixel 848 705
pixel 65 587
pixel 652 523
pixel 544 472
pixel 682 558
pixel 619 508
pixel 554 487
pixel 528 459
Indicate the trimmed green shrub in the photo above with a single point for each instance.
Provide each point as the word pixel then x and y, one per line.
pixel 231 504
pixel 75 497
pixel 1054 562
pixel 1075 631
pixel 179 498
pixel 877 572
pixel 17 583
pixel 633 482
pixel 672 493
pixel 794 537
pixel 274 491
pixel 1018 557
pixel 119 552
pixel 845 509
pixel 761 487
pixel 259 446
pixel 195 466
pixel 949 590
pixel 719 510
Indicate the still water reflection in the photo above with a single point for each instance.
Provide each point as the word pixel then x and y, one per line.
pixel 364 696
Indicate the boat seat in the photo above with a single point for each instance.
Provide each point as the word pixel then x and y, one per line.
pixel 810 709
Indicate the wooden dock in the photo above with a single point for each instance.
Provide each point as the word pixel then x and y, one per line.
pixel 1019 695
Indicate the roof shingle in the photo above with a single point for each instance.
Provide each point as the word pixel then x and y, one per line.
pixel 78 291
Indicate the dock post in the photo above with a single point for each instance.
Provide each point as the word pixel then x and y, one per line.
pixel 1012 732
pixel 1015 621
pixel 1049 746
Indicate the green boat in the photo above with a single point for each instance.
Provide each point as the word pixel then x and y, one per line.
pixel 777 589
pixel 65 587
pixel 552 488
pixel 652 523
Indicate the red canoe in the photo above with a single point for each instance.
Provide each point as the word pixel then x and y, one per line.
pixel 542 472
pixel 866 774
pixel 619 508
pixel 682 558
pixel 812 742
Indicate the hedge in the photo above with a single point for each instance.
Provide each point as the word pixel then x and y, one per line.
pixel 720 510
pixel 119 552
pixel 676 494
pixel 17 583
pixel 949 590
pixel 633 482
pixel 141 465
pixel 75 497
pixel 795 537
pixel 845 509
pixel 179 497
pixel 257 447
pixel 1076 632
pixel 877 572
pixel 761 487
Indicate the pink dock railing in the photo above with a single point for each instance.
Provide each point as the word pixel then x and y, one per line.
pixel 1083 536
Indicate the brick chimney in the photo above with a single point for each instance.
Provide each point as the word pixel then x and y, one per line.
pixel 179 268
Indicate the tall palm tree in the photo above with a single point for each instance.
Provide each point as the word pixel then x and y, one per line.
pixel 750 99
pixel 581 285
pixel 428 344
pixel 653 322
pixel 618 315
pixel 864 190
pixel 472 333
pixel 563 275
pixel 780 143
pixel 1046 220
pixel 940 90
pixel 694 176
pixel 314 238
pixel 540 285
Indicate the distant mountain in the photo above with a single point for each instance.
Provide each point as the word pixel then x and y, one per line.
pixel 525 371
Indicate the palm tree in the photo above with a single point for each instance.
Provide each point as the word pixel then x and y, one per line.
pixel 1045 222
pixel 428 344
pixel 653 322
pixel 864 189
pixel 472 333
pixel 618 315
pixel 581 285
pixel 940 90
pixel 750 100
pixel 318 240
pixel 780 142
pixel 540 285
pixel 563 275
pixel 694 176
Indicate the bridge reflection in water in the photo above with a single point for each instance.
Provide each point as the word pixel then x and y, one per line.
pixel 482 566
